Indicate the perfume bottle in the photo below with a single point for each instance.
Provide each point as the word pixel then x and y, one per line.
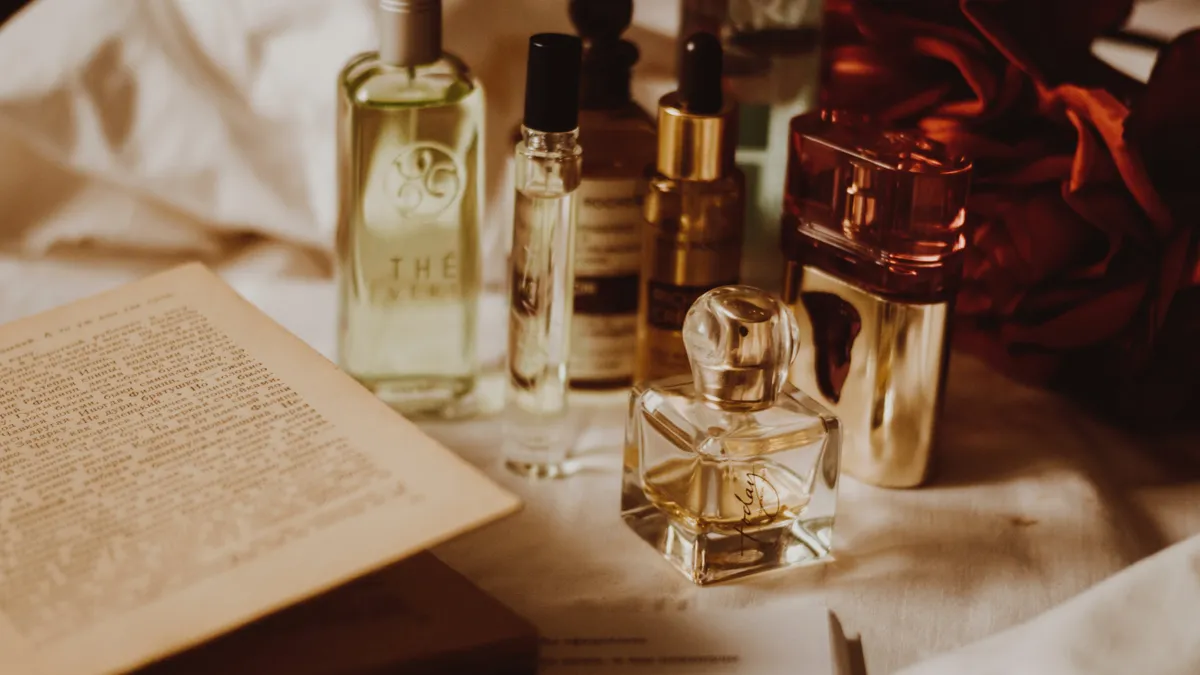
pixel 410 137
pixel 692 237
pixel 732 471
pixel 619 136
pixel 874 264
pixel 548 163
pixel 771 67
pixel 866 80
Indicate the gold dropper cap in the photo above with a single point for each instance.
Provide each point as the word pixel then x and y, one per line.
pixel 692 146
pixel 697 125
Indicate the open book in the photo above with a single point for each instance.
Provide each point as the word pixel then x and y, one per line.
pixel 173 465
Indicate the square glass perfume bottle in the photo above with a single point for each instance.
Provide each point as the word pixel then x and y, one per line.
pixel 732 471
pixel 875 253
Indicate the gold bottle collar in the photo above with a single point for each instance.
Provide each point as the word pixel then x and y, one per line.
pixel 695 147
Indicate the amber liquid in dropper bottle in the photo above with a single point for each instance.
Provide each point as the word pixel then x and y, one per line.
pixel 695 204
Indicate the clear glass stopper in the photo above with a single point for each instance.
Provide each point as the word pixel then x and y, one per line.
pixel 741 342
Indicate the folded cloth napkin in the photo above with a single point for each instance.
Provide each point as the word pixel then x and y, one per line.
pixel 1144 620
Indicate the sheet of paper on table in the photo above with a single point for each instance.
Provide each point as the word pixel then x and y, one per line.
pixel 173 464
pixel 777 639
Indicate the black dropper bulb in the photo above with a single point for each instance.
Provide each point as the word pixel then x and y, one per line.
pixel 552 82
pixel 608 60
pixel 601 20
pixel 700 76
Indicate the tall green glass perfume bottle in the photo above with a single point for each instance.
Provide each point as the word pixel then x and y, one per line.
pixel 410 174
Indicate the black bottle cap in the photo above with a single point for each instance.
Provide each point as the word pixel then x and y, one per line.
pixel 700 76
pixel 552 82
pixel 601 20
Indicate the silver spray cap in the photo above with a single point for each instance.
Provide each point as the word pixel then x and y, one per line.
pixel 410 31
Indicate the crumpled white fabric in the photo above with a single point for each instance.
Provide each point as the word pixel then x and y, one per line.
pixel 1143 621
pixel 164 127
pixel 141 133
pixel 205 128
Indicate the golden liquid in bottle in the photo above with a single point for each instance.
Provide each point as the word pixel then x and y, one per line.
pixel 726 497
pixel 408 256
pixel 692 244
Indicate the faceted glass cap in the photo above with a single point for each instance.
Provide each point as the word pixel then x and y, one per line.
pixel 741 342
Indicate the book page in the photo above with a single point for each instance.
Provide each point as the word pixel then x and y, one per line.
pixel 174 464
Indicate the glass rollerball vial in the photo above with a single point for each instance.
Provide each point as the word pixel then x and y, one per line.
pixel 548 170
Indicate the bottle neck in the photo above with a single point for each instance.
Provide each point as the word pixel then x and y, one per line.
pixel 410 32
pixel 550 142
pixel 606 72
pixel 604 89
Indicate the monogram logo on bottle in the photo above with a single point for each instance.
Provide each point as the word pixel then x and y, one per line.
pixel 424 180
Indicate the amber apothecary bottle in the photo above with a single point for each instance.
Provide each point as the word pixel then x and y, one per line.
pixel 620 137
pixel 874 262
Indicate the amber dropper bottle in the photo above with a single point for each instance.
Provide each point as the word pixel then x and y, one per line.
pixel 695 201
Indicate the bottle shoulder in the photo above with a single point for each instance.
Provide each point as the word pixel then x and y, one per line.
pixel 617 143
pixel 670 409
pixel 629 116
pixel 366 80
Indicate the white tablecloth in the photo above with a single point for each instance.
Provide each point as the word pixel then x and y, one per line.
pixel 1035 502
pixel 137 134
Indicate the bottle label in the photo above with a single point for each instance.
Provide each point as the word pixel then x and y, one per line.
pixel 608 245
pixel 668 304
pixel 415 277
pixel 602 347
pixel 604 328
pixel 608 233
pixel 411 248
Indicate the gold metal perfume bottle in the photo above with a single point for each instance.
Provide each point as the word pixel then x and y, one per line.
pixel 875 260
pixel 694 210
